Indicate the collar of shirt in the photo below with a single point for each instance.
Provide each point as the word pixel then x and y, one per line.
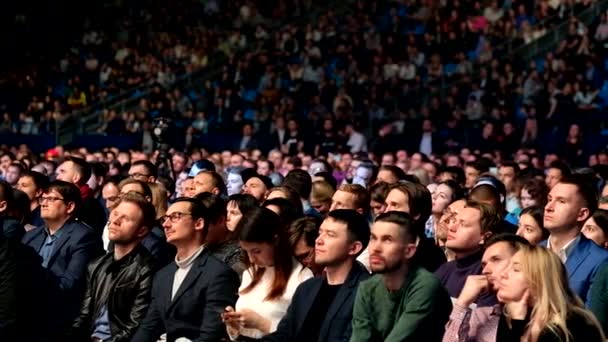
pixel 187 262
pixel 567 249
pixel 52 237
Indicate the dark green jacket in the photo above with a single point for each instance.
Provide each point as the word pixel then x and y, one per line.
pixel 598 302
pixel 417 312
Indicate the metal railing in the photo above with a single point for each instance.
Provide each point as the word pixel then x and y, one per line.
pixel 551 39
pixel 90 119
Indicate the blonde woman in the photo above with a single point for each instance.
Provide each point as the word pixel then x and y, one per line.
pixel 538 303
pixel 159 199
pixel 320 197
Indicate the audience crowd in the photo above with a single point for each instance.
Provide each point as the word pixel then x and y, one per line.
pixel 390 67
pixel 391 173
pixel 240 246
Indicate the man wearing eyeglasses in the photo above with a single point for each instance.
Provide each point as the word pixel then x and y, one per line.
pixel 66 246
pixel 144 171
pixel 189 294
pixel 120 282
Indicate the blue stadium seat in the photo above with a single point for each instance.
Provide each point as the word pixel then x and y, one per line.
pixel 449 68
pixel 250 95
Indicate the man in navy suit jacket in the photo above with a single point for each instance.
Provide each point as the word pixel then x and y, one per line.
pixel 322 307
pixel 571 202
pixel 66 246
pixel 189 295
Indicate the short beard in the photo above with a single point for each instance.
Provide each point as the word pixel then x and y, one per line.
pixel 388 268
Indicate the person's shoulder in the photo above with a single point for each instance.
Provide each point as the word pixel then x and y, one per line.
pixel 80 228
pixel 602 272
pixel 424 278
pixel 445 268
pixel 32 233
pixel 600 255
pixel 166 271
pixel 372 283
pixel 303 273
pixel 308 284
pixel 145 260
pixel 214 265
pixel 99 261
pixel 583 326
pixel 360 271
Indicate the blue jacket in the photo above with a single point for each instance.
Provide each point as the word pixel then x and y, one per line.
pixel 336 326
pixel 66 271
pixel 582 265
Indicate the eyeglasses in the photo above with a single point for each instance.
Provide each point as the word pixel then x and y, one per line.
pixel 43 200
pixel 306 256
pixel 174 217
pixel 138 175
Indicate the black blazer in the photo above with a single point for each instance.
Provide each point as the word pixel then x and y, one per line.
pixel 252 144
pixel 8 291
pixel 23 293
pixel 12 229
pixel 337 324
pixel 194 312
pixel 66 271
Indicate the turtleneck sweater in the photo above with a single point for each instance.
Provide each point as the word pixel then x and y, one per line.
pixel 183 267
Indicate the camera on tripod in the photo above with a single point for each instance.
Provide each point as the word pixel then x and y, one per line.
pixel 161 132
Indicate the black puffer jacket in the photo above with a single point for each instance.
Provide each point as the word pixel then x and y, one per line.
pixel 124 286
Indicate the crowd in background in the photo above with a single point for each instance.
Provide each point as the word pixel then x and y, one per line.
pixel 388 171
pixel 387 66
pixel 108 246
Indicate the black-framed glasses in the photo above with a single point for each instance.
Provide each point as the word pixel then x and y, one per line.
pixel 174 217
pixel 45 199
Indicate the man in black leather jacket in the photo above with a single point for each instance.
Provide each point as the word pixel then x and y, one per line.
pixel 120 282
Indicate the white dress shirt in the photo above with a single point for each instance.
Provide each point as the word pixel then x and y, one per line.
pixel 566 250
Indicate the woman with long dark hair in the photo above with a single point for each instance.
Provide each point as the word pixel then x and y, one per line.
pixel 238 206
pixel 530 225
pixel 270 280
pixel 596 228
pixel 444 194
